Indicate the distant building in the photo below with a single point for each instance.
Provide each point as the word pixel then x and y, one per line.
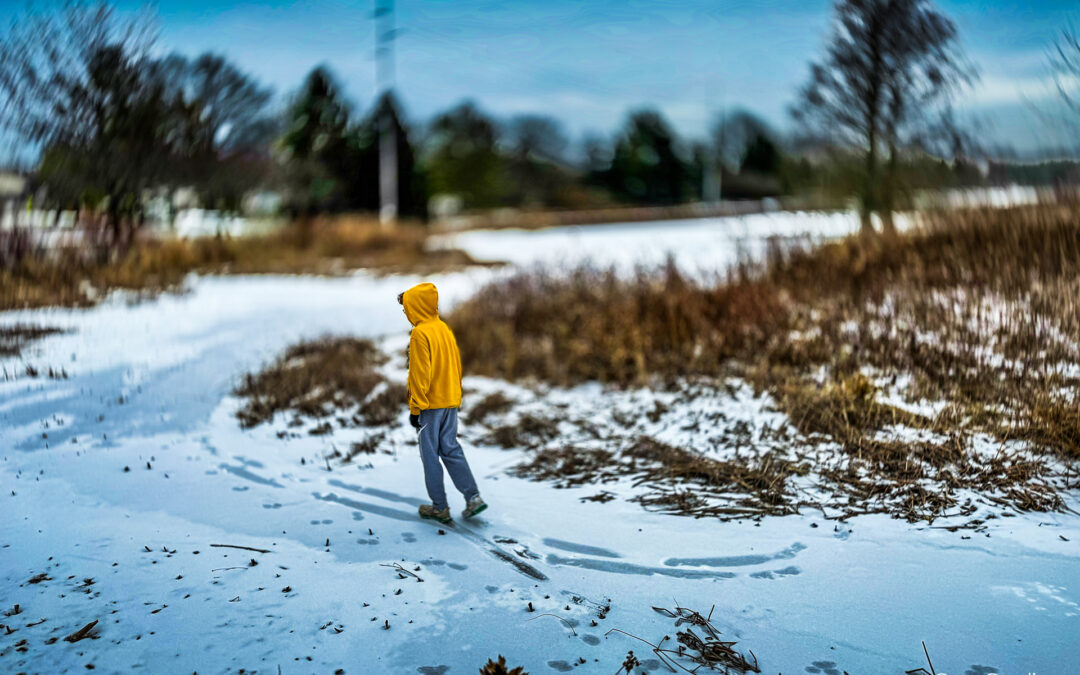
pixel 13 193
pixel 12 185
pixel 262 203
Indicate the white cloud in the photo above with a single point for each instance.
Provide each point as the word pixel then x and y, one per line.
pixel 996 90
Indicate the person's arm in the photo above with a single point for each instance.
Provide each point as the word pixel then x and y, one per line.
pixel 419 372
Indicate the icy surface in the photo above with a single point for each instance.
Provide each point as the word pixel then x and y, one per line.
pixel 700 246
pixel 148 389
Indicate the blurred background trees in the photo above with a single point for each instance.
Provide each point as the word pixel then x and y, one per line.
pixel 219 130
pixel 648 165
pixel 463 157
pixel 114 122
pixel 329 159
pixel 319 152
pixel 71 85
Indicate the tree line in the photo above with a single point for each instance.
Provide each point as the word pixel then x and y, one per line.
pixel 115 122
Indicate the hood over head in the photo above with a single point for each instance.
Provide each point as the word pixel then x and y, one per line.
pixel 421 303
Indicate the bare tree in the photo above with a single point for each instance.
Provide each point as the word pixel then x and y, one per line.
pixel 218 134
pixel 891 64
pixel 47 88
pixel 110 121
pixel 1065 63
pixel 70 86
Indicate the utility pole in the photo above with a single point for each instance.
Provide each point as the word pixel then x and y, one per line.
pixel 714 170
pixel 385 32
pixel 720 154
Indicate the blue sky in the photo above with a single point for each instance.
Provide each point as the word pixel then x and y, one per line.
pixel 588 62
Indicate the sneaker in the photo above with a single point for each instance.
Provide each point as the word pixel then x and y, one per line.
pixel 431 513
pixel 475 506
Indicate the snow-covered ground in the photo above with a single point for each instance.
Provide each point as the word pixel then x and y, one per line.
pixel 700 246
pixel 149 390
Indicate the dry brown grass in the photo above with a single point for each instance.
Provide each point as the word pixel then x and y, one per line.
pixel 976 309
pixel 691 652
pixel 318 379
pixel 591 325
pixel 499 667
pixel 689 482
pixel 569 466
pixel 674 479
pixel 492 404
pixel 529 431
pixel 329 246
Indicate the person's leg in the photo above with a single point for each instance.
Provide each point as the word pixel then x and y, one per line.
pixel 453 456
pixel 429 456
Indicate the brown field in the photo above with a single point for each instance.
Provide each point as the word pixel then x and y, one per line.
pixel 330 246
pixel 976 312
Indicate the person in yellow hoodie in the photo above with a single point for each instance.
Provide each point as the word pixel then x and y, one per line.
pixel 434 398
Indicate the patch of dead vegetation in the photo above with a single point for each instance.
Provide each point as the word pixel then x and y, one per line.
pixel 529 431
pixel 494 403
pixel 569 466
pixel 704 648
pixel 592 325
pixel 675 480
pixel 684 481
pixel 977 310
pixel 324 380
pixel 499 667
pixel 385 406
pixel 79 277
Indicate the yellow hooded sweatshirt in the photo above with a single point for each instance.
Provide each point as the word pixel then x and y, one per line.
pixel 434 360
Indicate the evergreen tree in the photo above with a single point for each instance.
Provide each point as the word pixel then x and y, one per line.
pixel 463 157
pixel 646 166
pixel 316 147
pixel 761 157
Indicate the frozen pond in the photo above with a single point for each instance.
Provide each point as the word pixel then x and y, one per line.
pixel 699 246
pixel 148 389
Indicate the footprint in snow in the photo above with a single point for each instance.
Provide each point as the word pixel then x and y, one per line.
pixel 585 549
pixel 825 667
pixel 785 572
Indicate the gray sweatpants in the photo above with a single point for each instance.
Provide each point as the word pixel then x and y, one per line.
pixel 438 440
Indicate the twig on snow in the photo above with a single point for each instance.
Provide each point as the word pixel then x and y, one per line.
pixel 568 624
pixel 83 633
pixel 402 571
pixel 243 548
